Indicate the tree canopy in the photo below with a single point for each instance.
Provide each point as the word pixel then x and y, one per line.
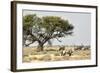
pixel 43 29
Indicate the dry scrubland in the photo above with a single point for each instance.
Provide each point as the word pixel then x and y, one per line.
pixel 30 54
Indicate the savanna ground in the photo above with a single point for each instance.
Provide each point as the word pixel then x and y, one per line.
pixel 30 54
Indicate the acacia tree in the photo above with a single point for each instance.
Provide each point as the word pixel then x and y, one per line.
pixel 43 29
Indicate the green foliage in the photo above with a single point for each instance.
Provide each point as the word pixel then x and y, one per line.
pixel 56 24
pixel 28 21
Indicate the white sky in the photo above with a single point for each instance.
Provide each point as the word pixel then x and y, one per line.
pixel 81 22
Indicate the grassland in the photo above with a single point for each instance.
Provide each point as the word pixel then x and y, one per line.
pixel 30 54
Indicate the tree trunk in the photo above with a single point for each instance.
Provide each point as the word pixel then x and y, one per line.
pixel 40 47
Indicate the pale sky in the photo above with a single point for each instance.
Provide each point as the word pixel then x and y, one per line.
pixel 80 21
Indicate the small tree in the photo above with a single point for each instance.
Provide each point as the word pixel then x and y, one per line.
pixel 44 29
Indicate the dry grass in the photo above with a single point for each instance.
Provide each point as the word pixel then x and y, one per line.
pixel 52 54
